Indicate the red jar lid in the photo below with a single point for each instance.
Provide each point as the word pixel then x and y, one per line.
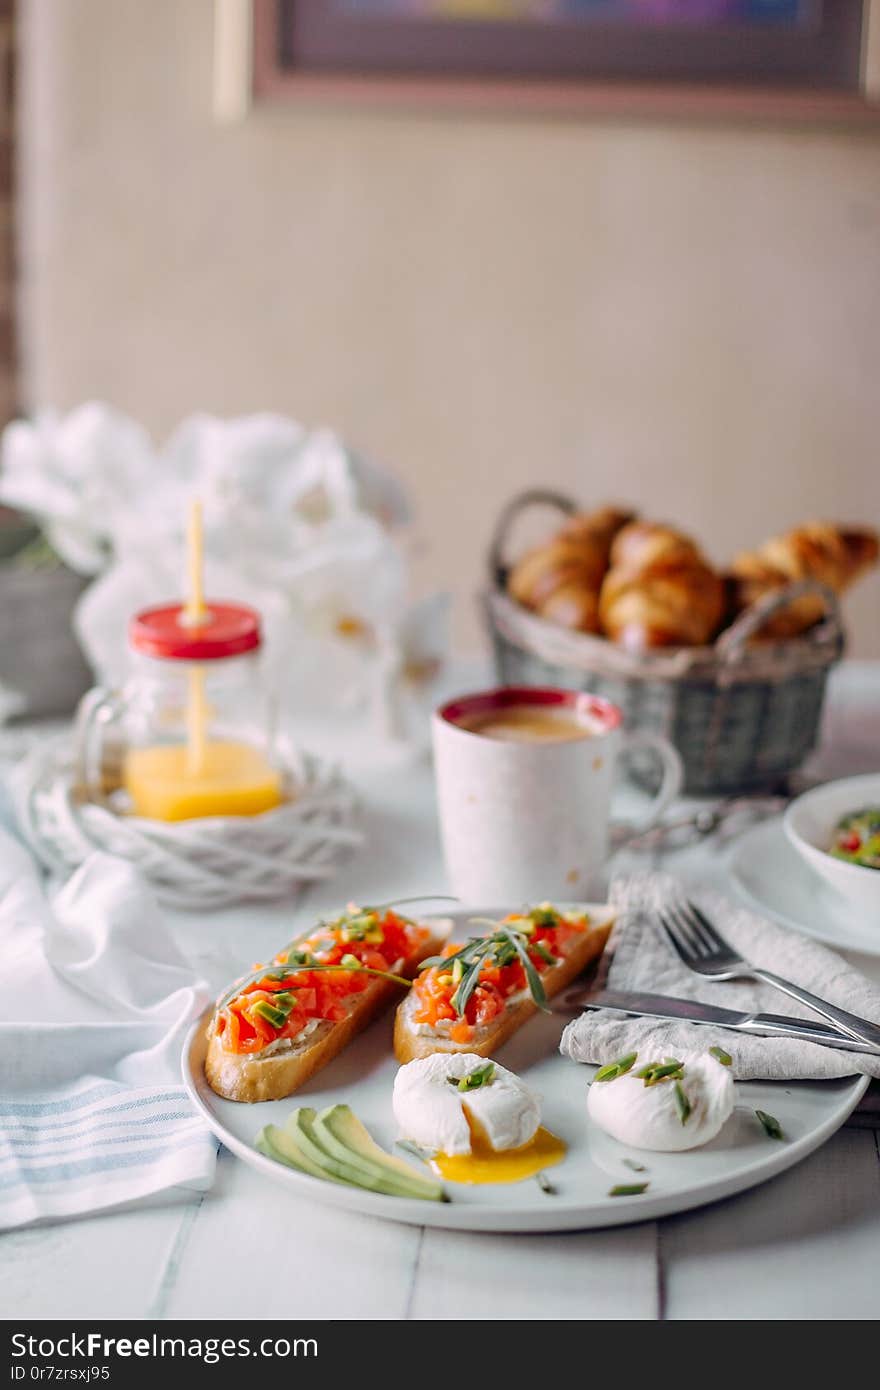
pixel 229 630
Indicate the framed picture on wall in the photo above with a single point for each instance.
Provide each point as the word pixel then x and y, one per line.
pixel 801 58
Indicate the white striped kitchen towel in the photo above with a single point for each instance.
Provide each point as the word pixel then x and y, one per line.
pixel 95 1000
pixel 97 1144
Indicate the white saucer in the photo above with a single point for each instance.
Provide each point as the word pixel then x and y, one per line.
pixel 773 879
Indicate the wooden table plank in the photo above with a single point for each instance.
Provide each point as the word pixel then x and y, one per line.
pixel 256 1251
pixel 806 1245
pixel 107 1266
pixel 587 1274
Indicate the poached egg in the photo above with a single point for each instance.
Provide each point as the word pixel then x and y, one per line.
pixel 480 1122
pixel 650 1117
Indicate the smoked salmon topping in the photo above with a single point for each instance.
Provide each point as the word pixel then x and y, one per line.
pixel 317 977
pixel 464 988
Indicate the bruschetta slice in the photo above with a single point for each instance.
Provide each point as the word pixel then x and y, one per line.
pixel 273 1029
pixel 473 997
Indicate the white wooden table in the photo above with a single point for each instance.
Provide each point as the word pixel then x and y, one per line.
pixel 806 1245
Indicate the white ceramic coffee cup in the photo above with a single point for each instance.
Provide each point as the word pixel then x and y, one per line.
pixel 530 821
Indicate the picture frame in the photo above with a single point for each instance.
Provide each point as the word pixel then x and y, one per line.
pixel 818 60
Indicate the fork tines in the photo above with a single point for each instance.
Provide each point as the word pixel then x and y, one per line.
pixel 693 936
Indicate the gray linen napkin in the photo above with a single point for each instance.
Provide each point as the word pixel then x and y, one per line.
pixel 640 958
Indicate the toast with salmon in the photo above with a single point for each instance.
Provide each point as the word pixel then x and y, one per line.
pixel 473 997
pixel 279 1025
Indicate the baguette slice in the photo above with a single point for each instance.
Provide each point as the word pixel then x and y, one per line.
pixel 485 1041
pixel 252 1077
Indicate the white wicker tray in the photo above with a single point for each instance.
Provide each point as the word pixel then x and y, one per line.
pixel 206 863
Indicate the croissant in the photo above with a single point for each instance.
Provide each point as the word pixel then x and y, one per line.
pixel 835 555
pixel 646 543
pixel 561 578
pixel 598 528
pixel 660 590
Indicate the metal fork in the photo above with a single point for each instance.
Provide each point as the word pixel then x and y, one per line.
pixel 703 950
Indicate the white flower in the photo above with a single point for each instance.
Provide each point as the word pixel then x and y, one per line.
pixel 78 475
pixel 295 524
pixel 351 575
pixel 329 480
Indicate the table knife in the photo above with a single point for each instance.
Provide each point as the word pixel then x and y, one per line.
pixel 692 1011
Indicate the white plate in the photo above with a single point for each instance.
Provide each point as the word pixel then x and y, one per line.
pixel 362 1076
pixel 775 880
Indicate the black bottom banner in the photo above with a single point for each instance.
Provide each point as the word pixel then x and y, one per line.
pixel 142 1353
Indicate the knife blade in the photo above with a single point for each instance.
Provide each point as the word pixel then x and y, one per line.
pixel 692 1011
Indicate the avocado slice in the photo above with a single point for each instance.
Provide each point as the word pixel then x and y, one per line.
pixel 343 1135
pixel 351 1167
pixel 300 1123
pixel 282 1146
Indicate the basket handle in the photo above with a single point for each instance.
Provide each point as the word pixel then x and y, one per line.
pixel 532 497
pixel 731 643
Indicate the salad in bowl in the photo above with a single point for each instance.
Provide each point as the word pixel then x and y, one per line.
pixel 836 831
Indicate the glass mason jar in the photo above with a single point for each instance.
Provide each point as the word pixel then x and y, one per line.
pixel 192 731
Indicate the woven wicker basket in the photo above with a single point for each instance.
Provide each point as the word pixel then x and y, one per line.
pixel 41 665
pixel 742 716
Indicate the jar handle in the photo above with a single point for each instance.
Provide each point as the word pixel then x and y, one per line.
pixel 96 708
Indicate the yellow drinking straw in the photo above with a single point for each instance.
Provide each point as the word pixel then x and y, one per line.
pixel 194 614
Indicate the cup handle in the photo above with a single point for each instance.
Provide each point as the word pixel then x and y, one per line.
pixel 670 786
pixel 96 708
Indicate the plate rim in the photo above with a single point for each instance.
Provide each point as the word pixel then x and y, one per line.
pixel 537 1216
pixel 866 944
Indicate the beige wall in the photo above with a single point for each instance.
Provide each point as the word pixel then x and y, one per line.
pixel 688 318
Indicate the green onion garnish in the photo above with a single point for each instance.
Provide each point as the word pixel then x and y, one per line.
pixel 612 1070
pixel 277 1017
pixel 661 1072
pixel 771 1126
pixel 682 1104
pixel 482 1076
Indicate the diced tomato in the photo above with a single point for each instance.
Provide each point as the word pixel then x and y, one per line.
pixel 375 960
pixel 486 1003
pixel 325 1000
pixel 296 1022
pixel 461 1032
pixel 513 978
pixel 319 993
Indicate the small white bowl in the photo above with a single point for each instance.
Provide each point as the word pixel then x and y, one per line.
pixel 810 823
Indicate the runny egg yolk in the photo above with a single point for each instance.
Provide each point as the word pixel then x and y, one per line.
pixel 484 1164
